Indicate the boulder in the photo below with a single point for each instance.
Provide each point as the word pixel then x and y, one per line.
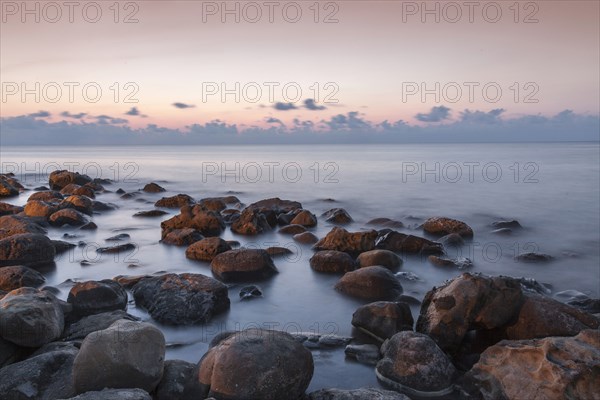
pixel 153 188
pixel 250 222
pixel 27 249
pixel 177 201
pixel 441 226
pixel 9 209
pixel 412 363
pixel 30 317
pixel 7 189
pixel 80 203
pixel 181 299
pixel 514 224
pixel 385 258
pixel 213 203
pixel 61 178
pixel 306 238
pixel 408 244
pixel 383 319
pixel 534 258
pixel 96 322
pixel 67 216
pixel 126 355
pixel 371 283
pixel 243 264
pixel 305 218
pixel 460 263
pixel 178 382
pixel 46 195
pixel 332 261
pixel 256 364
pixel 386 223
pixel 337 216
pixel 353 243
pixel 208 223
pixel 14 224
pixel 18 276
pixel 182 237
pixel 39 208
pixel 292 229
pixel 150 213
pixel 356 394
pixel 207 249
pixel 114 394
pixel 363 353
pixel 276 204
pixel 93 297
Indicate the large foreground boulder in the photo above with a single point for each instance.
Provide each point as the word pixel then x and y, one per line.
pixel 356 394
pixel 114 394
pixel 256 364
pixel 96 322
pixel 243 264
pixel 350 242
pixel 126 355
pixel 181 299
pixel 28 249
pixel 370 283
pixel 15 224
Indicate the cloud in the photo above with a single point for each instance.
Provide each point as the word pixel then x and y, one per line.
pixel 284 106
pixel 133 112
pixel 436 114
pixel 349 121
pixel 40 114
pixel 67 114
pixel 108 120
pixel 482 117
pixel 309 104
pixel 182 105
pixel 271 120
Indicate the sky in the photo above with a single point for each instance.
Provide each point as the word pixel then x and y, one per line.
pixel 181 71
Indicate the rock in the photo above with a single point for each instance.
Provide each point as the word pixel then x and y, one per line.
pixel 337 216
pixel 452 240
pixel 93 297
pixel 114 394
pixel 9 209
pixel 353 243
pixel 383 319
pixel 67 216
pixel 534 258
pixel 39 208
pixel 61 178
pixel 274 367
pixel 313 340
pixel 153 188
pixel 276 204
pixel 126 355
pixel 250 222
pixel 78 190
pixel 208 223
pixel 250 292
pixel 363 353
pixel 292 229
pixel 412 363
pixel 466 303
pixel 117 248
pixel 182 237
pixel 444 226
pixel 502 231
pixel 306 238
pixel 10 353
pixel 591 306
pixel 385 258
pixel 183 299
pixel 178 382
pixel 274 251
pixel 243 264
pixel 371 283
pixel 7 189
pixel 90 226
pixel 177 201
pixel 460 263
pixel 408 276
pixel 30 318
pixel 118 238
pixel 542 316
pixel 150 213
pixel 356 394
pixel 386 223
pixel 305 218
pixel 332 261
pixel 18 276
pixel 80 203
pixel 45 377
pixel 96 322
pixel 514 224
pixel 27 249
pixel 47 196
pixel 100 206
pixel 60 246
pixel 128 281
pixel 206 249
pixel 213 204
pixel 408 244
pixel 550 368
pixel 13 225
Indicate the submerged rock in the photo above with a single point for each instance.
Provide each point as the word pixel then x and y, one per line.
pixel 386 223
pixel 460 263
pixel 182 237
pixel 153 188
pixel 243 264
pixel 408 244
pixel 356 394
pixel 350 242
pixel 363 353
pixel 385 258
pixel 337 216
pixel 206 249
pixel 534 258
pixel 514 224
pixel 383 319
pixel 150 213
pixel 444 226
pixel 250 292
pixel 371 283
pixel 332 261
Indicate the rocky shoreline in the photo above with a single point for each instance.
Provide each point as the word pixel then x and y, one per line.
pixel 476 336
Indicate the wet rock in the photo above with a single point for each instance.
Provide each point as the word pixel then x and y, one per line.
pixel 350 242
pixel 286 219
pixel 337 216
pixel 468 302
pixel 67 216
pixel 363 353
pixel 30 317
pixel 452 240
pixel 274 251
pixel 542 316
pixel 408 244
pixel 116 249
pixel 45 377
pixel 591 306
pixel 460 263
pixel 208 223
pixel 80 203
pixel 60 246
pixel 177 201
pixel 250 222
pixel 27 249
pixel 571 295
pixel 534 258
pixel 182 237
pixel 114 394
pixel 383 319
pixel 371 283
pixel 73 189
pixel 444 226
pixel 7 189
pixel 90 226
pixel 276 204
pixel 118 238
pixel 530 285
pixel 249 292
pixel 206 249
pixel 183 299
pixel 14 224
pixel 305 218
pixel 412 363
pixel 513 225
pixel 126 355
pixel 178 382
pixel 9 352
pixel 386 223
pixel 274 367
pixel 243 264
pixel 9 209
pixel 502 232
pixel 332 261
pixel 408 276
pixel 18 276
pixel 153 188
pixel 96 322
pixel 39 208
pixel 213 204
pixel 550 368
pixel 306 238
pixel 385 258
pixel 99 206
pixel 150 213
pixel 93 297
pixel 356 394
pixel 61 178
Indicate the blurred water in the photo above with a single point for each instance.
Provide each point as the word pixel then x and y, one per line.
pixel 552 189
